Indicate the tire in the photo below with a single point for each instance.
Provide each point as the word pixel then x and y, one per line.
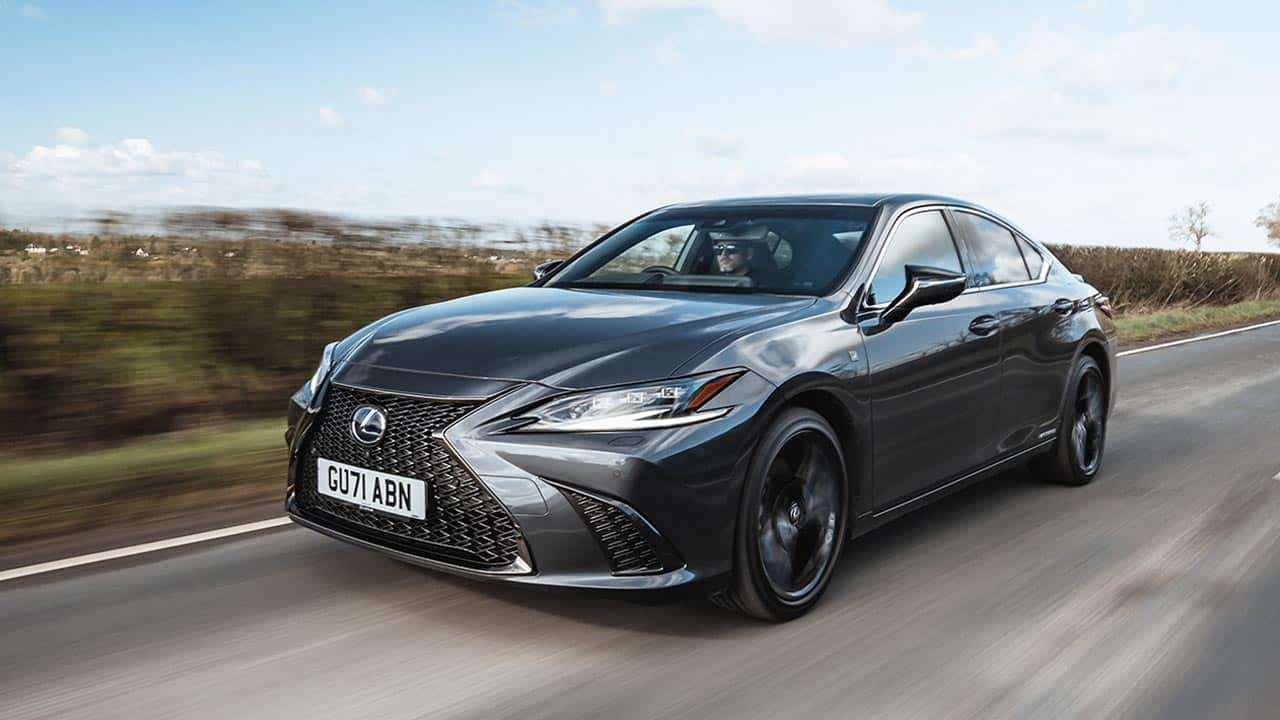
pixel 793 513
pixel 1076 455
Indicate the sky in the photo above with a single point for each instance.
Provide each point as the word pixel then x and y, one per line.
pixel 1083 121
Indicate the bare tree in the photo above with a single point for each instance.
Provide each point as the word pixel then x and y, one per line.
pixel 1191 225
pixel 110 222
pixel 1269 220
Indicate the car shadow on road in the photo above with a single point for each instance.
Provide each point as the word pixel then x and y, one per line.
pixel 701 619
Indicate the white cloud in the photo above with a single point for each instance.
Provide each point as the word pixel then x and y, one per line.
pixel 371 95
pixel 128 173
pixel 330 118
pixel 837 171
pixel 608 89
pixel 1112 94
pixel 1032 114
pixel 831 22
pixel 546 12
pixel 983 45
pixel 911 172
pixel 713 142
pixel 74 168
pixel 72 136
pixel 32 11
pixel 490 180
pixel 1135 9
pixel 666 52
pixel 1148 59
pixel 819 169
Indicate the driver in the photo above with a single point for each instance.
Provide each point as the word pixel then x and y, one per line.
pixel 733 257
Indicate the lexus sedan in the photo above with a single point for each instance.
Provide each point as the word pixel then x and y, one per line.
pixel 709 400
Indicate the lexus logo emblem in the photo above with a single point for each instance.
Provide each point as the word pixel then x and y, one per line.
pixel 368 423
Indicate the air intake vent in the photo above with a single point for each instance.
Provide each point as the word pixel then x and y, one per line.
pixel 624 544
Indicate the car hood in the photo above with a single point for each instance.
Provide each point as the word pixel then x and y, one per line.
pixel 565 338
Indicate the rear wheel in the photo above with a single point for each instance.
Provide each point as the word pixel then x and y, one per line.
pixel 791 525
pixel 1082 430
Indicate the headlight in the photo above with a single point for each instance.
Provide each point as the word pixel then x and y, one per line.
pixel 326 363
pixel 638 407
pixel 305 395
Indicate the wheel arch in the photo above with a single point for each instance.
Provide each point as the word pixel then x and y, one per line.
pixel 1095 348
pixel 848 416
pixel 1097 351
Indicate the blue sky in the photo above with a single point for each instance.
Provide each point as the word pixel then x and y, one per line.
pixel 1087 122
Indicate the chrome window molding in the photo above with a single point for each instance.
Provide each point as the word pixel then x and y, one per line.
pixel 1044 264
pixel 875 268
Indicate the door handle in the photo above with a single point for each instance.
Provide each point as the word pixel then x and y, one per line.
pixel 984 325
pixel 1064 306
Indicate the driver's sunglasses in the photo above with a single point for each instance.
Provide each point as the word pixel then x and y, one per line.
pixel 726 249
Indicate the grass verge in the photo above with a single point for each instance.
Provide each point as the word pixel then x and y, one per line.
pixel 1164 324
pixel 171 475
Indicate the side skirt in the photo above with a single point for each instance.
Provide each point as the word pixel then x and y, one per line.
pixel 869 521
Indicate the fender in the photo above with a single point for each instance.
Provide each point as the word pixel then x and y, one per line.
pixel 1093 337
pixel 846 408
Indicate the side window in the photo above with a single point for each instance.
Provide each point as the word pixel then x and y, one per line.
pixel 920 239
pixel 1035 261
pixel 996 258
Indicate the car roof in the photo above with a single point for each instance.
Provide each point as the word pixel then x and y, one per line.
pixel 890 201
pixel 863 199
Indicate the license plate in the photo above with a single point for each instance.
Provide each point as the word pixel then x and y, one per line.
pixel 372 490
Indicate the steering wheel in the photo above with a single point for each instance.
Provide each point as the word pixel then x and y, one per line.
pixel 663 270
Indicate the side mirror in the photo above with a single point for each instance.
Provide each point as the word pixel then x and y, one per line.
pixel 544 269
pixel 925 286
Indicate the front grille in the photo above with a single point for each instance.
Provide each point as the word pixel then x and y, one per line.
pixel 465 525
pixel 624 544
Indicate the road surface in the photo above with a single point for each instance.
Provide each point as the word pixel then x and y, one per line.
pixel 1154 593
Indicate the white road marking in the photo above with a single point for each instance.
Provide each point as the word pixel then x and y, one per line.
pixel 277 522
pixel 141 549
pixel 1197 338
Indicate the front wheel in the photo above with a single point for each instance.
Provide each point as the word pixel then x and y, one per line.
pixel 792 521
pixel 1082 430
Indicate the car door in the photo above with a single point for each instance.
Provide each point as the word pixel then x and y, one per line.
pixel 934 376
pixel 1035 354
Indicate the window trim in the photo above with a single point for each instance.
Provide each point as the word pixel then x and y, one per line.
pixel 1044 265
pixel 1022 241
pixel 961 253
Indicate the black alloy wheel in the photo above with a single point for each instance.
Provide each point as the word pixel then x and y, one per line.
pixel 792 523
pixel 1089 424
pixel 1082 430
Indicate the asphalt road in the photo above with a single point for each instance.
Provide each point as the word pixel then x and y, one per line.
pixel 1154 592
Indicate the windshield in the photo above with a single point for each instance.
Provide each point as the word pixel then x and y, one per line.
pixel 803 250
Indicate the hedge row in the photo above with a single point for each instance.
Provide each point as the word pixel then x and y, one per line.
pixel 99 363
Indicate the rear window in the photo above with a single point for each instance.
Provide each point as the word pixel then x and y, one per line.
pixel 996 257
pixel 1033 258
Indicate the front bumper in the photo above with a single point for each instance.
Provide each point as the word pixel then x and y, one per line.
pixel 649 514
